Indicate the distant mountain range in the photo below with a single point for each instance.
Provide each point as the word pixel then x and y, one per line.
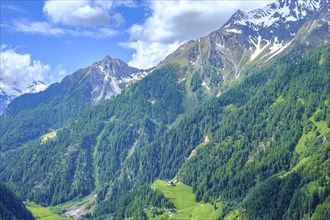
pixel 246 39
pixel 242 116
pixel 15 89
pixel 106 78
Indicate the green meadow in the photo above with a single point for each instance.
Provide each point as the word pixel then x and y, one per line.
pixel 186 207
pixel 44 213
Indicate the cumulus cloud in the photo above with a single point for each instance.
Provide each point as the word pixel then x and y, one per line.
pixel 20 68
pixel 57 74
pixel 81 18
pixel 78 13
pixel 86 13
pixel 172 23
pixel 148 54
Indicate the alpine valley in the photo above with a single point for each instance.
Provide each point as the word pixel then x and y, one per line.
pixel 234 125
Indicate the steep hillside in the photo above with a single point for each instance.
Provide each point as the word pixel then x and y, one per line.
pixel 11 207
pixel 88 153
pixel 12 89
pixel 251 133
pixel 247 135
pixel 248 40
pixel 250 137
pixel 50 109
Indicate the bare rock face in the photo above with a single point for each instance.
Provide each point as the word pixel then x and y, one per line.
pixel 109 77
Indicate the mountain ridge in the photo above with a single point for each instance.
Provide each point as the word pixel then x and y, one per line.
pixel 16 89
pixel 239 45
pixel 228 129
pixel 107 78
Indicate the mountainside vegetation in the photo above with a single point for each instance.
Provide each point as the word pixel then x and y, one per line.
pixel 274 126
pixel 32 115
pixel 191 139
pixel 262 146
pixel 11 208
pixel 93 146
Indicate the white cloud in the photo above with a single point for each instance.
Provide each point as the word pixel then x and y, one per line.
pixel 47 29
pixel 105 33
pixel 2 47
pixel 20 68
pixel 56 75
pixel 156 51
pixel 14 8
pixel 80 18
pixel 118 19
pixel 174 22
pixel 82 12
pixel 76 13
pixel 30 27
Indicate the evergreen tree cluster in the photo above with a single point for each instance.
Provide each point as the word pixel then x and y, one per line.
pixel 261 147
pixel 11 208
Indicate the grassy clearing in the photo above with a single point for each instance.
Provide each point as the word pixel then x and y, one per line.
pixel 298 166
pixel 49 136
pixel 280 100
pixel 301 147
pixel 322 129
pixel 86 202
pixel 44 213
pixel 234 215
pixel 184 201
pixel 49 212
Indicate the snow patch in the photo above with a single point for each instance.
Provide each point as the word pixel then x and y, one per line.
pixel 233 31
pixel 279 51
pixel 204 84
pixel 219 45
pixel 276 46
pixel 291 18
pixel 258 47
pixel 181 80
pixel 271 14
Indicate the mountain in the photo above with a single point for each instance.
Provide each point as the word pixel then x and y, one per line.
pixel 17 88
pixel 245 136
pixel 110 76
pixel 61 102
pixel 11 207
pixel 246 40
pixel 106 78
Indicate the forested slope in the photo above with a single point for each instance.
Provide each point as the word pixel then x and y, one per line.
pixel 88 153
pixel 271 130
pixel 11 208
pixel 261 148
pixel 31 115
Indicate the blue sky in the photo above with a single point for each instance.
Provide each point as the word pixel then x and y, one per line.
pixel 46 40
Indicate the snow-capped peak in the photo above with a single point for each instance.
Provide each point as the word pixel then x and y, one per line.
pixel 11 90
pixel 17 88
pixel 110 76
pixel 281 11
pixel 37 86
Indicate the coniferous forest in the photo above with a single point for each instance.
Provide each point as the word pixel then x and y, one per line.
pixel 186 141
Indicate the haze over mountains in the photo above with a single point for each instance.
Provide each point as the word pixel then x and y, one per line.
pixel 241 115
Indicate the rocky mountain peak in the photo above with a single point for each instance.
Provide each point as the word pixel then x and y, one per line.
pixel 281 11
pixel 248 39
pixel 114 67
pixel 108 77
